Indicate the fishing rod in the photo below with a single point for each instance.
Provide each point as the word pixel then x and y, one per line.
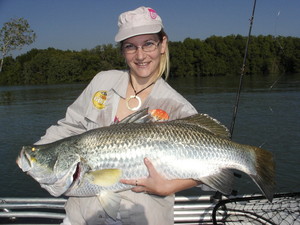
pixel 235 110
pixel 281 49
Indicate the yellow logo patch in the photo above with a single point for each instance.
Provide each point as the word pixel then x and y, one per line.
pixel 99 99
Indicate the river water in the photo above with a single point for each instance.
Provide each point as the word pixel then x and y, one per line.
pixel 267 117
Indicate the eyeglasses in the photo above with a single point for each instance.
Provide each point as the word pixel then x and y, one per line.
pixel 149 46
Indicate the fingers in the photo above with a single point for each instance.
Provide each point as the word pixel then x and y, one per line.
pixel 138 185
pixel 132 182
pixel 136 182
pixel 150 167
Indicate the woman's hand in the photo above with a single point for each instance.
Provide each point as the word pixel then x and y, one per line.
pixel 158 185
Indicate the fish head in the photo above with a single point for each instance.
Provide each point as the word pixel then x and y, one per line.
pixel 54 170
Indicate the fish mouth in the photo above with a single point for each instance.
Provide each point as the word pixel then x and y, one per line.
pixel 24 161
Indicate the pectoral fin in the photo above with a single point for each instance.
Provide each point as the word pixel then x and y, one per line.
pixel 105 177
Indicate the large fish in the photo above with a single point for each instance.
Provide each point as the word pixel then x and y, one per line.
pixel 196 147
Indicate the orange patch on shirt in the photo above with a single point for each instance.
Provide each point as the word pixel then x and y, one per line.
pixel 159 115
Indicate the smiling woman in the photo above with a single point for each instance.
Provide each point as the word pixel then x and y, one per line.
pixel 112 96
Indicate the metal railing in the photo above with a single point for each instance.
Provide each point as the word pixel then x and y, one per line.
pixel 187 210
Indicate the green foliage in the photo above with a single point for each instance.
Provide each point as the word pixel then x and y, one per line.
pixel 224 56
pixel 14 35
pixel 52 66
pixel 193 57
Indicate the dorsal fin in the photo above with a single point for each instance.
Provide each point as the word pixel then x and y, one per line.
pixel 208 123
pixel 202 120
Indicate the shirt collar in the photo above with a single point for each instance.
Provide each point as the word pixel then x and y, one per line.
pixel 121 85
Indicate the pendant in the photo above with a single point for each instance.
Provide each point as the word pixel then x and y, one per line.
pixel 134 97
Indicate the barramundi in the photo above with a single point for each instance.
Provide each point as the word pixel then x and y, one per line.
pixel 197 147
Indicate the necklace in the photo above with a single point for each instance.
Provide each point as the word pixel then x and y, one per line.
pixel 135 96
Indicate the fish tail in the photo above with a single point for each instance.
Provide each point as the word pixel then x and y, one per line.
pixel 265 177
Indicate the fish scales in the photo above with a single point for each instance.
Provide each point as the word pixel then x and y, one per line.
pixel 134 142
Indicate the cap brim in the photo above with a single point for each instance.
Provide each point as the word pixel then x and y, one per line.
pixel 131 32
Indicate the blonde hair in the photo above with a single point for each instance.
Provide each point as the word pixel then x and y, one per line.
pixel 164 65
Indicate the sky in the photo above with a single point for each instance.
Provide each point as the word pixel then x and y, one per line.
pixel 84 24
